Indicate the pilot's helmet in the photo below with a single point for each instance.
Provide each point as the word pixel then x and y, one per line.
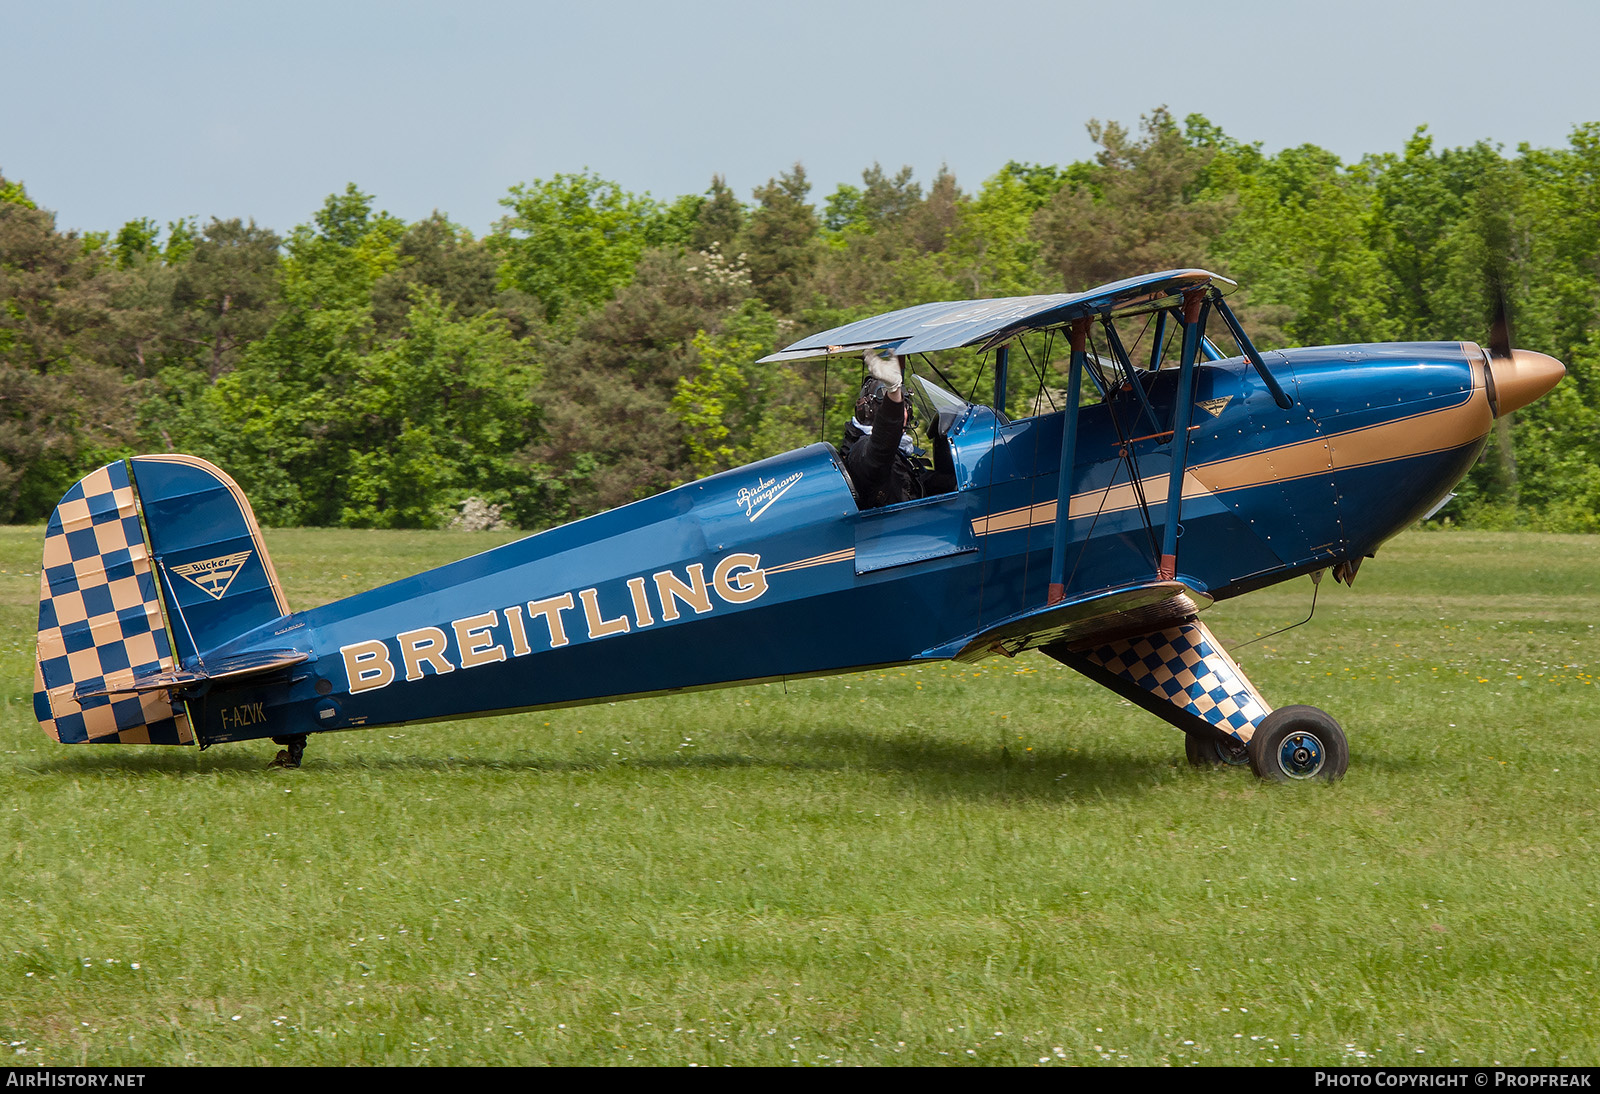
pixel 871 397
pixel 873 391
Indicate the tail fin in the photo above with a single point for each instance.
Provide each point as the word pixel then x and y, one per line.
pixel 216 577
pixel 108 575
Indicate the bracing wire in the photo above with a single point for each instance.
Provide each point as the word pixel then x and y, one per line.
pixel 1088 537
pixel 1044 358
pixel 1135 479
pixel 1038 373
pixel 1174 335
pixel 948 386
pixel 1130 460
pixel 1105 495
pixel 1151 318
pixel 972 396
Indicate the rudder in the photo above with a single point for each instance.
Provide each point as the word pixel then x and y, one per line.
pixel 215 573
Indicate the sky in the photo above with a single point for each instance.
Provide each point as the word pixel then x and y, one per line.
pixel 117 111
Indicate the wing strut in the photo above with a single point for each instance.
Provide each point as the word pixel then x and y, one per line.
pixel 1195 309
pixel 1126 363
pixel 1155 345
pixel 1069 442
pixel 1251 353
pixel 1125 446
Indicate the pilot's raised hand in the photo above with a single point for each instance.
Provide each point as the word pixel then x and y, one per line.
pixel 886 369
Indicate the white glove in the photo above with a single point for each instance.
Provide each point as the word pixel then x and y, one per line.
pixel 886 369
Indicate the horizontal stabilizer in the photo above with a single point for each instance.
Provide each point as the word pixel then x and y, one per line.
pixel 233 669
pixel 1099 616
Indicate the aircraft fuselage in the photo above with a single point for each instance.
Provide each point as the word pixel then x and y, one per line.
pixel 771 570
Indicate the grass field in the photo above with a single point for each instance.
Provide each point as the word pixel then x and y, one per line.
pixel 1001 865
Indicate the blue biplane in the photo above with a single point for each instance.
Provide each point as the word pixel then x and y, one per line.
pixel 1095 534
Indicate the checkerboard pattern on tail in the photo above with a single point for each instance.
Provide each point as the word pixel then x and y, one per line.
pixel 1187 666
pixel 100 621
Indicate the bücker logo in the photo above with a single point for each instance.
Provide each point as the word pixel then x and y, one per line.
pixel 755 500
pixel 214 575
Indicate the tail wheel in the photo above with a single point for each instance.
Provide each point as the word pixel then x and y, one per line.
pixel 1217 751
pixel 1294 744
pixel 289 756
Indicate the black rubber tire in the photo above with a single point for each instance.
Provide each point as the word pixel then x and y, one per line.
pixel 1296 744
pixel 1214 751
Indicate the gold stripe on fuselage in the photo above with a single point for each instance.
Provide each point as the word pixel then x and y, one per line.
pixel 845 555
pixel 1413 435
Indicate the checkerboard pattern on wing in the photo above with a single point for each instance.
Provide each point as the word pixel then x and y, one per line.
pixel 1187 666
pixel 100 621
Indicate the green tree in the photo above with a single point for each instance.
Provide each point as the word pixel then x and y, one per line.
pixel 719 219
pixel 993 252
pixel 734 411
pixel 1420 199
pixel 1300 240
pixel 1039 182
pixel 226 293
pixel 780 241
pixel 572 241
pixel 14 193
pixel 609 435
pixel 437 255
pixel 890 254
pixel 1146 209
pixel 438 414
pixel 135 243
pixel 62 410
pixel 269 421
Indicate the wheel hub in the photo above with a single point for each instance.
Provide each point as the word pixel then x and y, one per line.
pixel 1301 755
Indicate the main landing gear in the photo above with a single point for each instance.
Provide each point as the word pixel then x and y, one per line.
pixel 1293 744
pixel 289 755
pixel 1184 675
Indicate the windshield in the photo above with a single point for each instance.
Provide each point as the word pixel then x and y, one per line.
pixel 936 406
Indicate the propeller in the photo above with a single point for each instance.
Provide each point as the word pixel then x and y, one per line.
pixel 1500 323
pixel 1516 376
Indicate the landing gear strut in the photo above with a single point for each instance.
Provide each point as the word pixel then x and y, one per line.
pixel 1183 675
pixel 289 755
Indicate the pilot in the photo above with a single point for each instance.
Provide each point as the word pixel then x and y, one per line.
pixel 878 453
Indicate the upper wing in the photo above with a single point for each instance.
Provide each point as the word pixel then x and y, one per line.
pixel 954 323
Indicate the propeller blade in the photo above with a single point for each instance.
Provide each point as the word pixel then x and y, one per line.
pixel 1500 324
pixel 1517 376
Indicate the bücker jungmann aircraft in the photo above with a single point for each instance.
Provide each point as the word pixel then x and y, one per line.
pixel 1095 534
